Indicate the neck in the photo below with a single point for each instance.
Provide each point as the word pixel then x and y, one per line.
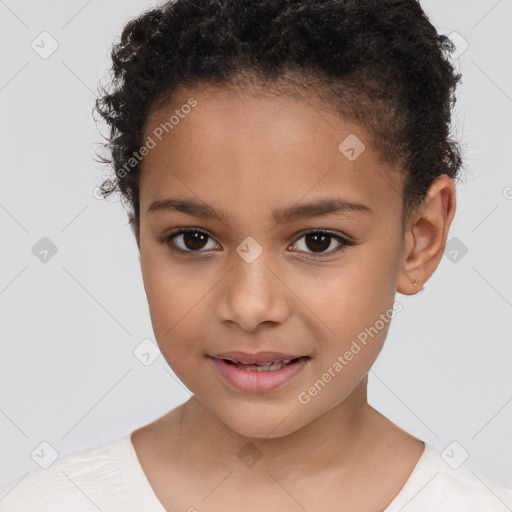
pixel 337 440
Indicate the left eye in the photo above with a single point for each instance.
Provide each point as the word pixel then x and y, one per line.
pixel 194 239
pixel 319 241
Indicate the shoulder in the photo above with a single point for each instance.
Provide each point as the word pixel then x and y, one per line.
pixel 88 479
pixel 469 490
pixel 442 485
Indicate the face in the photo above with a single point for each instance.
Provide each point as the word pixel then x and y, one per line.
pixel 262 272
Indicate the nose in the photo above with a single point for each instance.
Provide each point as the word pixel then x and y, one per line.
pixel 253 294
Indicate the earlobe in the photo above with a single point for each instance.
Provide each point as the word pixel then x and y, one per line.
pixel 426 236
pixel 406 283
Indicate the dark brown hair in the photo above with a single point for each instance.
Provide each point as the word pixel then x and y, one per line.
pixel 378 62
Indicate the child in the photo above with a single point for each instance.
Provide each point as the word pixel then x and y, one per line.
pixel 244 132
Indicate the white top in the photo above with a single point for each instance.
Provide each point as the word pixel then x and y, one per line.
pixel 110 478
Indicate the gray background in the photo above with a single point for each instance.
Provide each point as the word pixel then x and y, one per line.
pixel 70 325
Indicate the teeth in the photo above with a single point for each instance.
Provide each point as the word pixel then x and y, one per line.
pixel 284 361
pixel 270 363
pixel 263 367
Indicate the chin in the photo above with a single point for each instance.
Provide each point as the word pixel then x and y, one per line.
pixel 259 422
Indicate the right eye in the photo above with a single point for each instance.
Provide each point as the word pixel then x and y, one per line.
pixel 192 240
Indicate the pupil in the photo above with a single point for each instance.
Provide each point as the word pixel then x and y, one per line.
pixel 197 238
pixel 318 237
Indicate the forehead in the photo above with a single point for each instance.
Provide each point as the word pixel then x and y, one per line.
pixel 252 149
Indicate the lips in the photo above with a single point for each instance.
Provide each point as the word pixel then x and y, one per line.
pixel 257 358
pixel 259 377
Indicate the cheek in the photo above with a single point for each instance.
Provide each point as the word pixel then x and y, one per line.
pixel 172 289
pixel 353 305
pixel 175 299
pixel 347 298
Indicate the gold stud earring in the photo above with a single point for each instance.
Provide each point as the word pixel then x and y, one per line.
pixel 415 282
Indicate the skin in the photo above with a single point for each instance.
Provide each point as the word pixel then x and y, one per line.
pixel 248 153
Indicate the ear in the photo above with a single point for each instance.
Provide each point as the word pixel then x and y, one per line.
pixel 425 235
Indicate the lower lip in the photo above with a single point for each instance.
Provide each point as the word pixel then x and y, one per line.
pixel 254 381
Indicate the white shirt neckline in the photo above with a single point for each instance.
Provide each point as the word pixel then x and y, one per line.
pixel 145 490
pixel 138 477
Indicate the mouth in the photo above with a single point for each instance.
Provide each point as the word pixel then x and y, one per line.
pixel 257 377
pixel 237 356
pixel 268 366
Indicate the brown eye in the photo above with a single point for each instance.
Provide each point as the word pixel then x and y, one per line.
pixel 319 241
pixel 194 240
pixel 188 240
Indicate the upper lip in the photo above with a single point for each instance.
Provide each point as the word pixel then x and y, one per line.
pixel 258 357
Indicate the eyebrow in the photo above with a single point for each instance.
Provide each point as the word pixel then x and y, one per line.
pixel 318 208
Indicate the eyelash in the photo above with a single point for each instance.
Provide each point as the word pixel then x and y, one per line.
pixel 344 242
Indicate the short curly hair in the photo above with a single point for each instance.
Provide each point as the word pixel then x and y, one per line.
pixel 380 63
